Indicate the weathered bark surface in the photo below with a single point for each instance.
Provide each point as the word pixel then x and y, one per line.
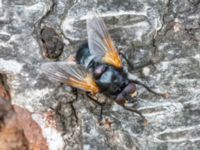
pixel 171 28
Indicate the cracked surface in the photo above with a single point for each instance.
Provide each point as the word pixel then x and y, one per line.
pixel 141 29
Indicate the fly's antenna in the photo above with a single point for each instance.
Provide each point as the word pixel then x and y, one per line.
pixel 130 99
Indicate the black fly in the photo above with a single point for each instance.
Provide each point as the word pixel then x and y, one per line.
pixel 98 68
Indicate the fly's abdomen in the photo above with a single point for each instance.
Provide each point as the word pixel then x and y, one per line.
pixel 84 57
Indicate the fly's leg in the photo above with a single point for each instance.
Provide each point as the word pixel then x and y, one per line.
pixel 98 103
pixel 74 112
pixel 75 92
pixel 137 112
pixel 127 61
pixel 94 100
pixel 101 114
pixel 130 99
pixel 139 65
pixel 164 95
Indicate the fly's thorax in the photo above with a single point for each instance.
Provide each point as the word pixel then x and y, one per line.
pixel 110 80
pixel 84 57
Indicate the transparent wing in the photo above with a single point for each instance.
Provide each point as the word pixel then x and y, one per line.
pixel 71 75
pixel 62 71
pixel 100 42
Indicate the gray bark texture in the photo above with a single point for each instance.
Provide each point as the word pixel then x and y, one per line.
pixel 168 30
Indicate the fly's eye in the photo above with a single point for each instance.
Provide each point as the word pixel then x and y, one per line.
pixel 120 99
pixel 130 88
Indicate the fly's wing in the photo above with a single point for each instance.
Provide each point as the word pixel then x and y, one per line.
pixel 100 42
pixel 71 75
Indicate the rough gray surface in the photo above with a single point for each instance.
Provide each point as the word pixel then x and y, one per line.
pixel 139 27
